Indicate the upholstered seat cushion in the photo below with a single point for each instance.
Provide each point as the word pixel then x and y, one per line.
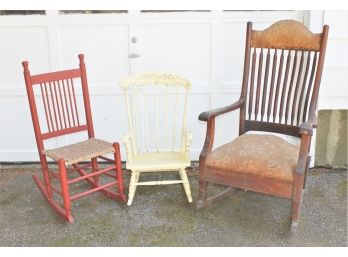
pixel 257 155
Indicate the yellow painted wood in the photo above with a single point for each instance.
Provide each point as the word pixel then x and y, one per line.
pixel 156 159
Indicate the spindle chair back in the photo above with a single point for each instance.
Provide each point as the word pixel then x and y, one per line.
pixel 158 139
pixel 283 66
pixel 60 106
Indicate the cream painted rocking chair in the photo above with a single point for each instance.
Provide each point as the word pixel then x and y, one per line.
pixel 158 139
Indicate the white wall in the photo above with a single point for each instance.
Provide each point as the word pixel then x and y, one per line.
pixel 206 48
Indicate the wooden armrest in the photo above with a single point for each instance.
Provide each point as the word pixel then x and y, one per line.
pixel 206 116
pixel 307 126
pixel 306 131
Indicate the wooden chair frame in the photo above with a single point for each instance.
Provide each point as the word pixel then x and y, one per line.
pixel 156 159
pixel 284 35
pixel 63 119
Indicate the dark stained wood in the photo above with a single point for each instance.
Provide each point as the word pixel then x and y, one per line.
pixel 253 183
pixel 285 82
pixel 258 89
pixel 210 200
pixel 292 79
pixel 206 116
pixel 251 91
pixel 265 83
pixel 279 80
pixel 245 78
pixel 302 100
pixel 252 125
pixel 271 89
pixel 319 71
pixel 309 87
pixel 294 102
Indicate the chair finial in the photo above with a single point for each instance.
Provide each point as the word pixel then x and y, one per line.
pixel 25 65
pixel 81 57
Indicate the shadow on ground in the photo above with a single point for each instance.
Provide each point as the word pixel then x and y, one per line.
pixel 161 216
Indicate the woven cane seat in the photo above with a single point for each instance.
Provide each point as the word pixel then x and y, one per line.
pixel 81 151
pixel 258 155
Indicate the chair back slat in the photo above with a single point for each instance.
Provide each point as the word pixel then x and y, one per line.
pixel 251 91
pixel 165 136
pixel 67 110
pixel 271 89
pixel 146 120
pixel 54 105
pixel 290 87
pixel 278 87
pixel 175 116
pixel 156 113
pixel 304 84
pixel 75 105
pixel 295 96
pixel 265 83
pixel 286 72
pixel 57 75
pixel 47 109
pixel 309 87
pixel 62 107
pixel 258 89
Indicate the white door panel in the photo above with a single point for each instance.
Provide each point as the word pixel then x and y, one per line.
pixel 205 47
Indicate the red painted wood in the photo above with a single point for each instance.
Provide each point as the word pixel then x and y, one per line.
pixel 63 132
pixel 45 107
pixel 52 76
pixel 62 118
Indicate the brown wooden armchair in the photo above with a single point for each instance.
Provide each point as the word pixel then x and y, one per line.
pixel 282 72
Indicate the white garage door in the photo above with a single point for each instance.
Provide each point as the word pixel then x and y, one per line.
pixel 205 47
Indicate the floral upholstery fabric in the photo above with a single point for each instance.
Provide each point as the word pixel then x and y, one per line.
pixel 258 155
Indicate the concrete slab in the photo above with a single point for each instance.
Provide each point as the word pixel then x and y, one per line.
pixel 161 216
pixel 331 139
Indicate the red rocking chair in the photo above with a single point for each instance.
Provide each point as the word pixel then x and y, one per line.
pixel 60 110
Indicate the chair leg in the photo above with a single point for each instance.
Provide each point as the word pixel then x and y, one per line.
pixel 65 189
pixel 202 191
pixel 296 201
pixel 132 186
pixel 119 176
pixel 47 179
pixel 295 215
pixel 186 184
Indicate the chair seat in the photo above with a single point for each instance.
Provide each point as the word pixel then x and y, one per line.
pixel 266 156
pixel 158 161
pixel 81 151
